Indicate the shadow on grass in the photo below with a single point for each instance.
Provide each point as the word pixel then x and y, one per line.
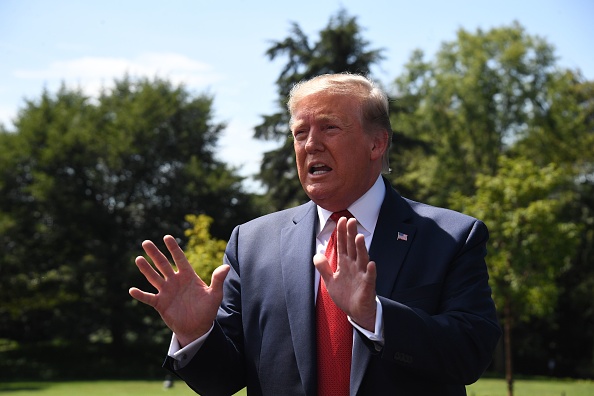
pixel 22 387
pixel 47 362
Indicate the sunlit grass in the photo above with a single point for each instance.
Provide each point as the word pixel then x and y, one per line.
pixel 532 387
pixel 484 387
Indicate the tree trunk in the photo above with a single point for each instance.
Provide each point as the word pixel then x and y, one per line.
pixel 507 325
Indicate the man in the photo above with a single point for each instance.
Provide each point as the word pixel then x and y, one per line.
pixel 420 318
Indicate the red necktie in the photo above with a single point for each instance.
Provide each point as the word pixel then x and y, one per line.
pixel 334 332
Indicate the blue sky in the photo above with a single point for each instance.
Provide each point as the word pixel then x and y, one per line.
pixel 218 46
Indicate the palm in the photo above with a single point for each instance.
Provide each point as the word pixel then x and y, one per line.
pixel 352 286
pixel 187 305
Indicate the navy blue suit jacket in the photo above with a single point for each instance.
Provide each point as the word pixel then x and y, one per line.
pixel 440 326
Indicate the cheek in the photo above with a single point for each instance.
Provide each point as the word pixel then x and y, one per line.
pixel 298 153
pixel 299 158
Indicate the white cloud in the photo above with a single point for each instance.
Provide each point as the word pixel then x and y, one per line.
pixel 91 73
pixel 237 147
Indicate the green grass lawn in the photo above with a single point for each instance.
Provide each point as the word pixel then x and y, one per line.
pixel 485 387
pixel 532 387
pixel 94 388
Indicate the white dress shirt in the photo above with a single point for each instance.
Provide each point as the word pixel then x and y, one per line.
pixel 366 211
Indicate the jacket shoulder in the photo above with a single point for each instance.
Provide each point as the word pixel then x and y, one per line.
pixel 277 219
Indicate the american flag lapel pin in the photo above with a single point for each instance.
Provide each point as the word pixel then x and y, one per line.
pixel 402 236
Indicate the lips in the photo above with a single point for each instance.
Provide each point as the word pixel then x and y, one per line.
pixel 319 169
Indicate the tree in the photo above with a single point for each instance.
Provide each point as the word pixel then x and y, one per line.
pixel 561 128
pixel 204 252
pixel 499 93
pixel 466 107
pixel 340 48
pixel 82 182
pixel 530 246
pixel 563 132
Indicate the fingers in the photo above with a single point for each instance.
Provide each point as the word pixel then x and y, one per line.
pixel 342 236
pixel 346 233
pixel 158 258
pixel 161 261
pixel 149 272
pixel 371 273
pixel 143 297
pixel 351 238
pixel 351 244
pixel 154 279
pixel 361 249
pixel 178 255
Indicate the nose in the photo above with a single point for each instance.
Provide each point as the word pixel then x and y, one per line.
pixel 314 141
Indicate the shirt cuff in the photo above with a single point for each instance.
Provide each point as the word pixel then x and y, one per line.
pixel 183 355
pixel 377 336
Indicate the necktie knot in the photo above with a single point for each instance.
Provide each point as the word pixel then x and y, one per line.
pixel 343 213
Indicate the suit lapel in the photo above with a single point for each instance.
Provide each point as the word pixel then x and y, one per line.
pixel 392 239
pixel 388 249
pixel 298 247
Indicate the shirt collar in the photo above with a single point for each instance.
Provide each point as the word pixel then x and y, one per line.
pixel 366 209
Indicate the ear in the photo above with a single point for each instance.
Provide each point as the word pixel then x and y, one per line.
pixel 379 144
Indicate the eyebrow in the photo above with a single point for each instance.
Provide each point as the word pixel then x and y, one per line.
pixel 329 118
pixel 295 125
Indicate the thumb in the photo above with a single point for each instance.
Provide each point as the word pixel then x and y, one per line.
pixel 218 276
pixel 322 265
pixel 143 297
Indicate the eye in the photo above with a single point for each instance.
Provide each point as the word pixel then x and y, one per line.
pixel 299 134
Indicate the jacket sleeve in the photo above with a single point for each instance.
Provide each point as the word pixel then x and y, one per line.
pixel 218 367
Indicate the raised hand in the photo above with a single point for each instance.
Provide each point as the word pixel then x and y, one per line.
pixel 187 305
pixel 352 286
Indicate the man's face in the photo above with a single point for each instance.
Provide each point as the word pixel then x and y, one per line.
pixel 337 160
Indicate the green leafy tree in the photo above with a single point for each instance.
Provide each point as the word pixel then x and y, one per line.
pixel 501 92
pixel 530 246
pixel 561 129
pixel 563 132
pixel 204 252
pixel 340 48
pixel 466 107
pixel 82 183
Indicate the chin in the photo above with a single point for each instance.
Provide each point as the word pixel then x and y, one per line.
pixel 327 201
pixel 317 193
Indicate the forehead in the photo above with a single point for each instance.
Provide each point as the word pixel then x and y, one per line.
pixel 326 106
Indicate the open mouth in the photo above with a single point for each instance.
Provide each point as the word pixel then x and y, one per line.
pixel 319 169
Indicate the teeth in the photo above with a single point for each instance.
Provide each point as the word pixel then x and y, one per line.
pixel 318 169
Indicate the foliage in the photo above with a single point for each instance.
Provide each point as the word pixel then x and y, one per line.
pixel 82 182
pixel 490 126
pixel 498 94
pixel 204 252
pixel 530 244
pixel 563 130
pixel 466 107
pixel 340 48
